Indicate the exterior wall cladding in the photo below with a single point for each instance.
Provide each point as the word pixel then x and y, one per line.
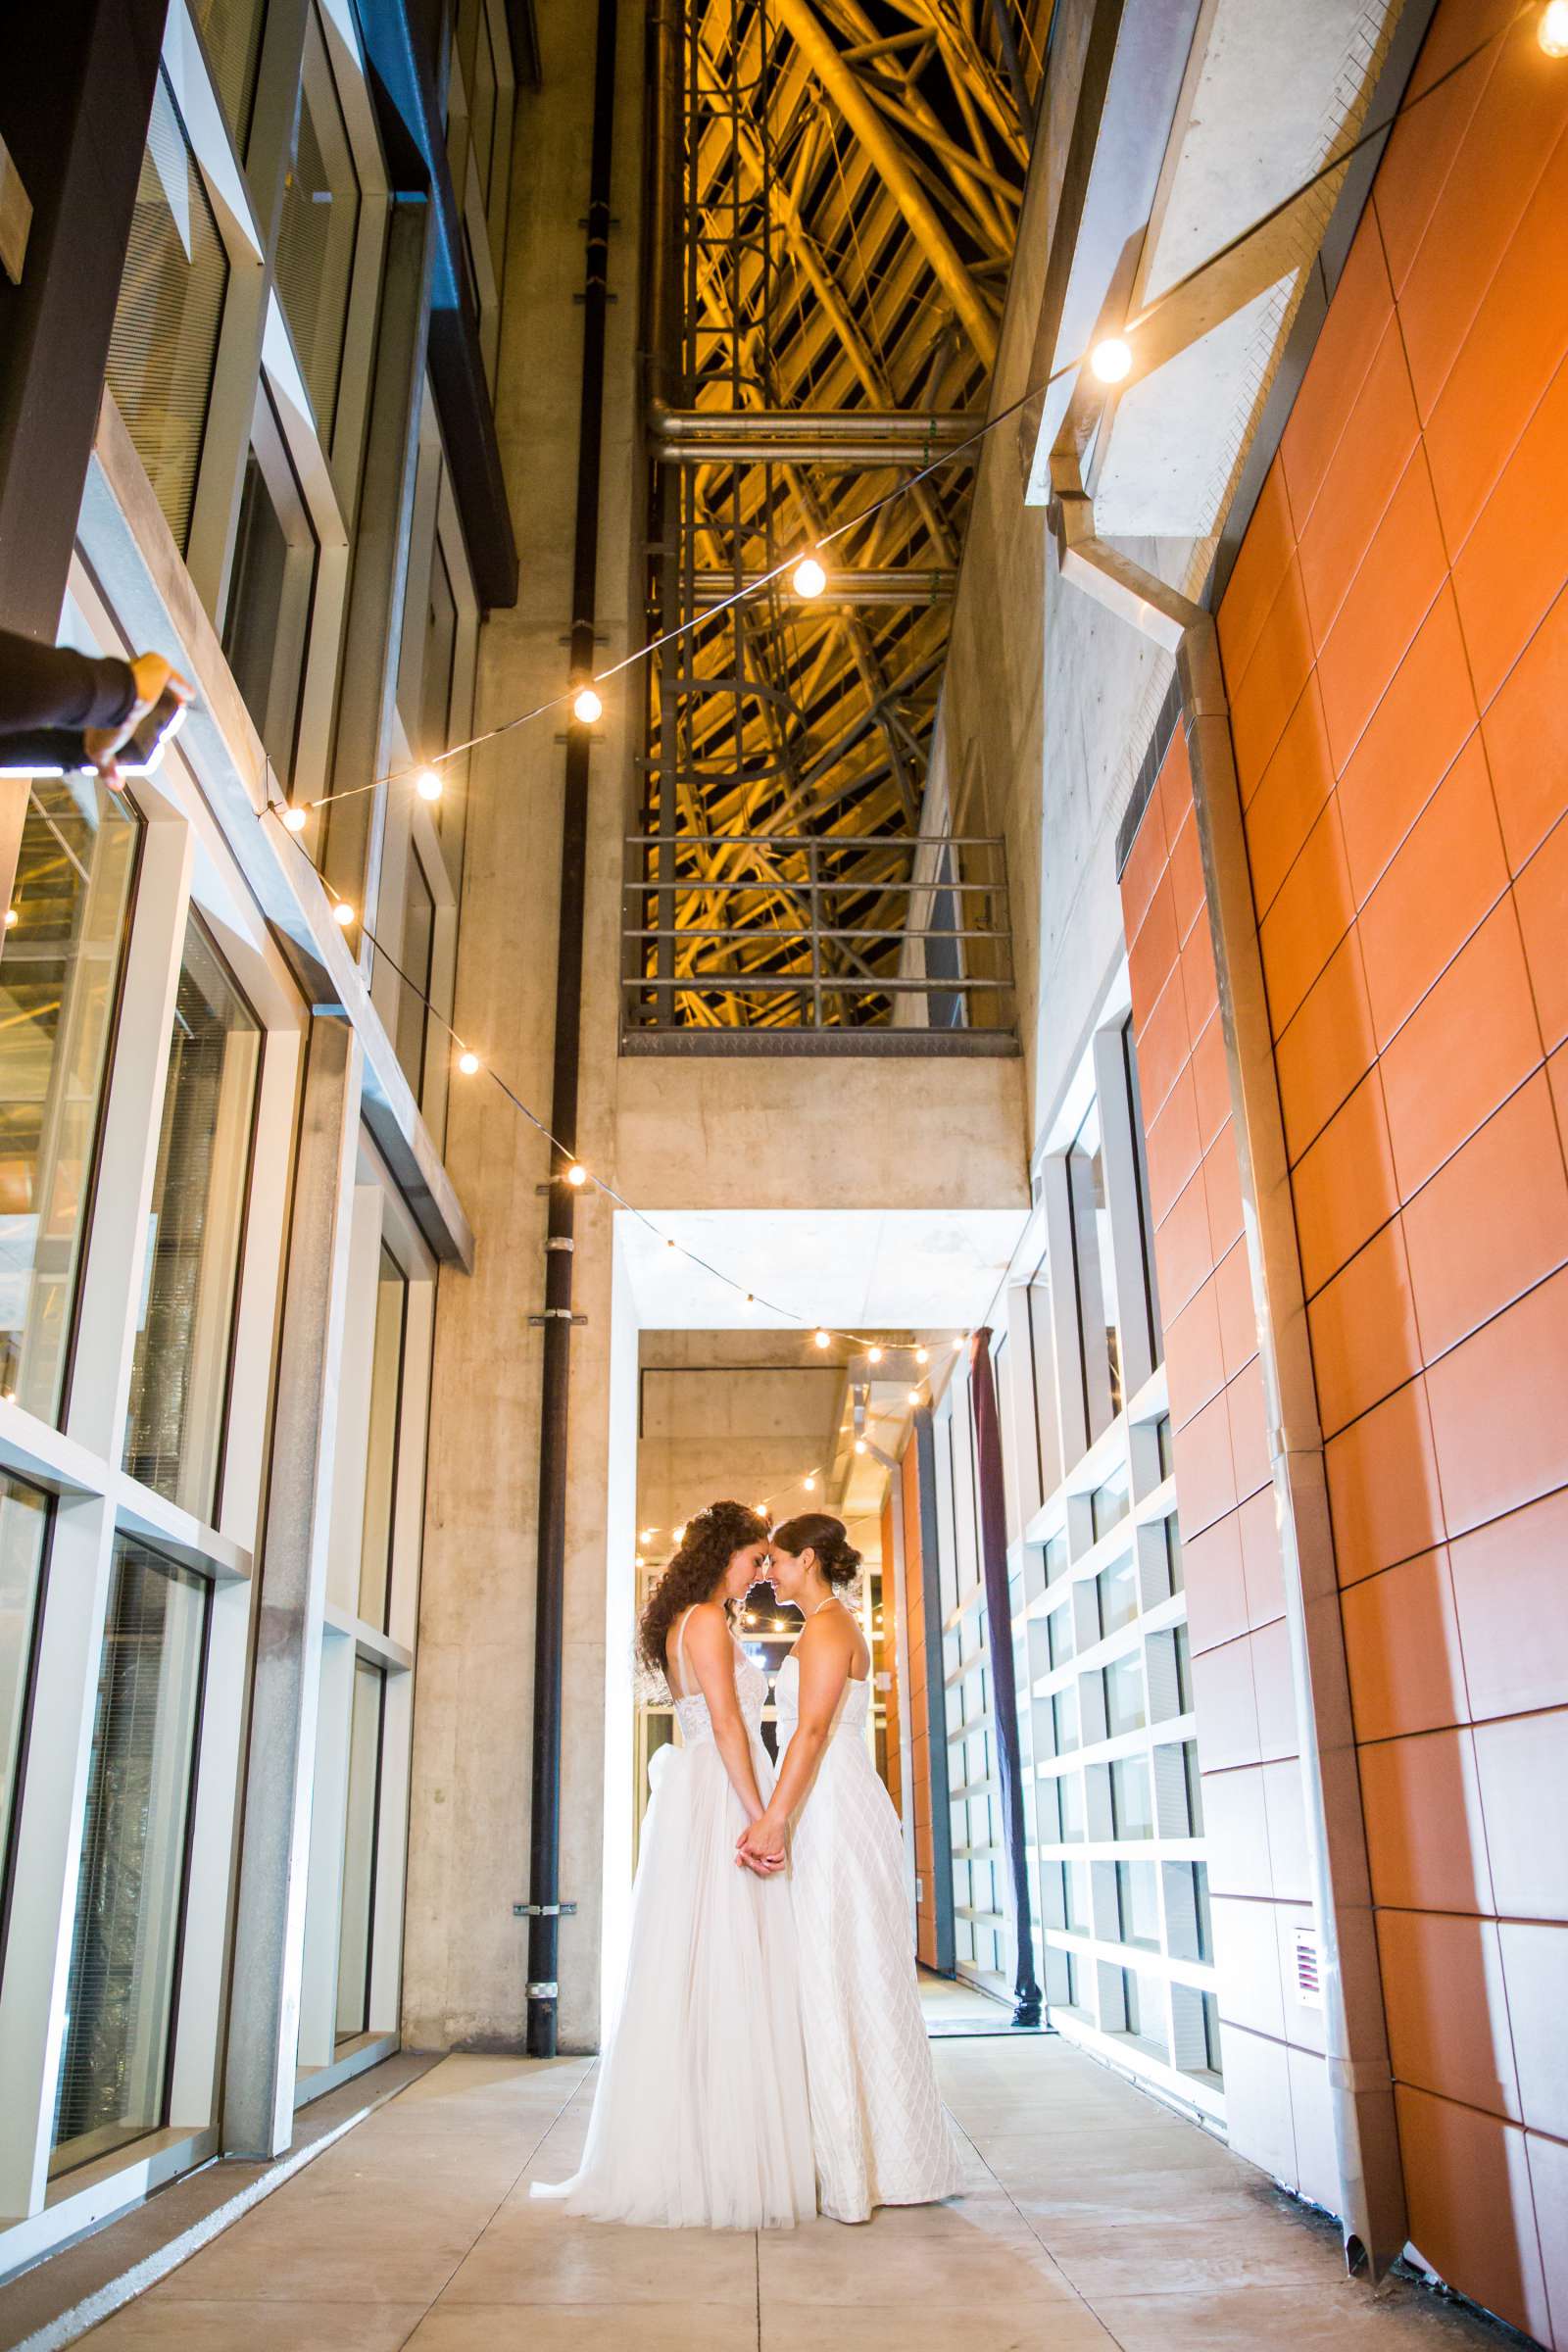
pixel 1396 645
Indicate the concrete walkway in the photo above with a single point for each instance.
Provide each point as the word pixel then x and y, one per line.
pixel 1092 2218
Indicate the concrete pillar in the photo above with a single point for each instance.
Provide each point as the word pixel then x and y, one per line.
pixel 269 1925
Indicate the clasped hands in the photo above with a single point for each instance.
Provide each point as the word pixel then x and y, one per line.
pixel 762 1847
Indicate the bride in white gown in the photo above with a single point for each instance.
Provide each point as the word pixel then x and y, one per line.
pixel 881 2131
pixel 701 2118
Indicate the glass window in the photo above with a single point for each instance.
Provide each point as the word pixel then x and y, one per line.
pixel 163 342
pixel 1093 1266
pixel 1144 2009
pixel 60 971
pixel 232 32
pixel 440 655
pixel 1132 1804
pixel 1064 1720
pixel 1116 1596
pixel 1184 1669
pixel 179 1374
pixel 1075 1897
pixel 24 1530
pixel 1108 1504
pixel 358 1851
pixel 120 1993
pixel 1058 1636
pixel 1055 1558
pixel 271 585
pixel 1211 2033
pixel 1167 1448
pixel 413 987
pixel 479 60
pixel 1173 1553
pixel 1195 1789
pixel 1137 1903
pixel 1124 1695
pixel 381 1458
pixel 318 228
pixel 1071 1789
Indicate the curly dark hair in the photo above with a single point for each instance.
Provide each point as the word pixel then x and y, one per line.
pixel 711 1538
pixel 816 1531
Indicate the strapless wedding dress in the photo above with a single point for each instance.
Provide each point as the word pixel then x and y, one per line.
pixel 880 2129
pixel 701 2118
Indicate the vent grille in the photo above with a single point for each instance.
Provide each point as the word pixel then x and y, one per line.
pixel 1308 1967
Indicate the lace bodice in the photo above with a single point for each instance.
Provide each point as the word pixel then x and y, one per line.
pixel 854 1703
pixel 691 1713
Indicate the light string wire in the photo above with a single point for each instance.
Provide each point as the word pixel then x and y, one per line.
pixel 908 483
pixel 279 806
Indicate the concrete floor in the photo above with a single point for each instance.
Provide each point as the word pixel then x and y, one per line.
pixel 1091 2218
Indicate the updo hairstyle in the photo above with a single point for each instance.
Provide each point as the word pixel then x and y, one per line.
pixel 816 1531
pixel 712 1536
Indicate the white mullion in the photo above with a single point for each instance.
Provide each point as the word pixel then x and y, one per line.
pixel 260 1287
pixel 324 1901
pixel 407 1510
pixel 197 2022
pixel 1072 1403
pixel 384 2010
pixel 115 1260
pixel 356 1380
pixel 48 1846
pixel 1118 1158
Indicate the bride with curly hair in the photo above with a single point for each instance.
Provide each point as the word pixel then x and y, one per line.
pixel 701 2118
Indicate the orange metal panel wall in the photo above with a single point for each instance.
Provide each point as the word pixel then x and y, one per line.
pixel 1396 645
pixel 1249 1747
pixel 890 1659
pixel 925 1917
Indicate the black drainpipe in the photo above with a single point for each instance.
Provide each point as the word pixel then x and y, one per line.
pixel 544 1859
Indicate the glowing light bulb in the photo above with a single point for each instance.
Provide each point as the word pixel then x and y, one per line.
pixel 679 1534
pixel 294 820
pixel 958 1344
pixel 749 1300
pixel 780 1625
pixel 760 1508
pixel 342 913
pixel 577 1174
pixel 9 1396
pixel 646 1535
pixel 821 1338
pixel 922 1355
pixel 1111 360
pixel 1552 30
pixel 429 785
pixel 669 1240
pixel 876 1356
pixel 914 1396
pixel 860 1444
pixel 587 707
pixel 467 1063
pixel 12 918
pixel 808 578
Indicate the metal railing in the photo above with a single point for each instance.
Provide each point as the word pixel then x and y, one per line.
pixel 752 943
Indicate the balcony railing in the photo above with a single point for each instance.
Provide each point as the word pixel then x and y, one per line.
pixel 816 943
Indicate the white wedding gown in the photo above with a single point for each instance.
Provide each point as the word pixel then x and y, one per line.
pixel 701 2118
pixel 881 2131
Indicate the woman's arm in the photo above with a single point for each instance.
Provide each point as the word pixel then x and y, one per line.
pixel 711 1656
pixel 825 1652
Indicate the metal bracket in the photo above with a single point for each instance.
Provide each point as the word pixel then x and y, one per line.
pixel 541 1991
pixel 559 1241
pixel 557 1314
pixel 543 1910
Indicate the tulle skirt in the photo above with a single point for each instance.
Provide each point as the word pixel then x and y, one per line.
pixel 701 2118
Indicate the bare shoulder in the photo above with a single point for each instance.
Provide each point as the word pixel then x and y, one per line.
pixel 706 1627
pixel 832 1634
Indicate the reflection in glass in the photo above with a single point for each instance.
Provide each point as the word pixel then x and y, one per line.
pixel 1071 1788
pixel 440 655
pixel 232 32
pixel 23 1528
pixel 271 584
pixel 1144 2009
pixel 179 1374
pixel 165 337
pixel 358 1851
pixel 60 971
pixel 1132 1806
pixel 1094 1265
pixel 120 1993
pixel 1116 1595
pixel 1108 1504
pixel 381 1456
pixel 1138 1901
pixel 1064 1720
pixel 419 942
pixel 319 226
pixel 1124 1695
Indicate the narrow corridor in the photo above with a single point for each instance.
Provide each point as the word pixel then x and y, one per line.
pixel 416 2231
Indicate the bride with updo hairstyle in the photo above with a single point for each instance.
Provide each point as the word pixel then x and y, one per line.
pixel 702 2116
pixel 881 2130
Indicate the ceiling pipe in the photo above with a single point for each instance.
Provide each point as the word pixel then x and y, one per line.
pixel 905 586
pixel 808 436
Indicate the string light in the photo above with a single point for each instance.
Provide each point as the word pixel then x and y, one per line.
pixel 914 1396
pixel 876 1356
pixel 577 1174
pixel 468 1062
pixel 922 1355
pixel 648 1533
pixel 809 579
pixel 748 1300
pixel 809 1484
pixel 821 1339
pixel 1552 30
pixel 13 918
pixel 860 1444
pixel 429 785
pixel 679 1534
pixel 1112 359
pixel 295 820
pixel 587 705
pixel 957 1343
pixel 342 913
